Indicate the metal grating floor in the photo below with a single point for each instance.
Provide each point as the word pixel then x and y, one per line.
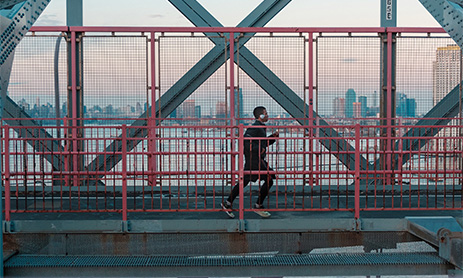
pixel 24 261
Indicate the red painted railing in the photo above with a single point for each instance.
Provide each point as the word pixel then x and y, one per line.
pixel 178 166
pixel 194 170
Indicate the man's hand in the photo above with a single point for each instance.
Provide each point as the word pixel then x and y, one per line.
pixel 275 134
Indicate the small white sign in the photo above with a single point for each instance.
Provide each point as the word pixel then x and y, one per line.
pixel 388 9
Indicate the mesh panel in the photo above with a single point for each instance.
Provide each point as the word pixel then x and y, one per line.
pixel 115 76
pixel 32 80
pixel 348 76
pixel 177 55
pixel 284 56
pixel 427 69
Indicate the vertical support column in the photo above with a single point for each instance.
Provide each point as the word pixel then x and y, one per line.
pixel 152 165
pixel 357 172
pixel 461 114
pixel 388 19
pixel 74 17
pixel 388 104
pixel 241 169
pixel 7 173
pixel 124 172
pixel 311 119
pixel 74 13
pixel 388 13
pixel 73 107
pixel 1 181
pixel 232 108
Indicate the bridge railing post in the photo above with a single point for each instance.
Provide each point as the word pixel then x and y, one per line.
pixel 357 172
pixel 124 172
pixel 241 169
pixel 7 171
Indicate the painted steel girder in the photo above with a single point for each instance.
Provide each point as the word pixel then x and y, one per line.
pixel 295 106
pixel 188 83
pixel 21 21
pixel 8 4
pixel 440 115
pixel 271 83
pixel 40 139
pixel 13 28
pixel 449 14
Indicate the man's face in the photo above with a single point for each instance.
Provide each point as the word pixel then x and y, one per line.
pixel 265 119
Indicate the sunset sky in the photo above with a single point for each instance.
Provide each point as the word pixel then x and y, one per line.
pixel 298 13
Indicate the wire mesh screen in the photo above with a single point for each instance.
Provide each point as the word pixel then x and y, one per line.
pixel 38 72
pixel 115 78
pixel 348 77
pixel 180 63
pixel 428 68
pixel 285 58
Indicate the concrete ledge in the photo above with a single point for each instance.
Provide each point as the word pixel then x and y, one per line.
pixel 205 225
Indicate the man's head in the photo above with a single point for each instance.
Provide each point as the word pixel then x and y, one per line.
pixel 260 113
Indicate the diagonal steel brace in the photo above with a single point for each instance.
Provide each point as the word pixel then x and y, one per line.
pixel 186 85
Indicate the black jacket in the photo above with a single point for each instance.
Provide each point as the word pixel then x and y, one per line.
pixel 255 149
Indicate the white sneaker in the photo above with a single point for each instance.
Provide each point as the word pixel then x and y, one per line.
pixel 261 213
pixel 226 206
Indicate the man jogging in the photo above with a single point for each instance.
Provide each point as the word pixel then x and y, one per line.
pixel 255 151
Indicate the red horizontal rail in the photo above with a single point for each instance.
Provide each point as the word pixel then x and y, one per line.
pixel 238 29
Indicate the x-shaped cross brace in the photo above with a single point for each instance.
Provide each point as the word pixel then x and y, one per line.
pixel 250 64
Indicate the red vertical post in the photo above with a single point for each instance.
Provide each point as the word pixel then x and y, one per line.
pixel 357 172
pixel 7 173
pixel 399 163
pixel 232 107
pixel 152 120
pixel 74 107
pixel 311 119
pixel 124 172
pixel 241 169
pixel 310 71
pixel 389 108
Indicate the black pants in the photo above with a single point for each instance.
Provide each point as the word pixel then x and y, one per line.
pixel 263 192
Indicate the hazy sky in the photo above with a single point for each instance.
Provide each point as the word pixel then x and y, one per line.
pixel 298 13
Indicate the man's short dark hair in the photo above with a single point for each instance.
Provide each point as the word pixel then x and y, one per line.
pixel 259 110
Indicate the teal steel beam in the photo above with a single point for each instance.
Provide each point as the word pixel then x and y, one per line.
pixel 388 13
pixel 74 13
pixel 196 76
pixel 440 115
pixel 295 106
pixel 270 82
pixel 449 14
pixel 8 4
pixel 14 25
pixel 39 137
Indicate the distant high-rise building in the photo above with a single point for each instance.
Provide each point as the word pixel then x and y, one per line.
pixel 197 111
pixel 339 105
pixel 221 109
pixel 239 110
pixel 138 109
pixel 446 75
pixel 446 71
pixel 189 108
pixel 406 107
pixel 363 101
pixel 357 109
pixel 350 99
pixel 411 107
